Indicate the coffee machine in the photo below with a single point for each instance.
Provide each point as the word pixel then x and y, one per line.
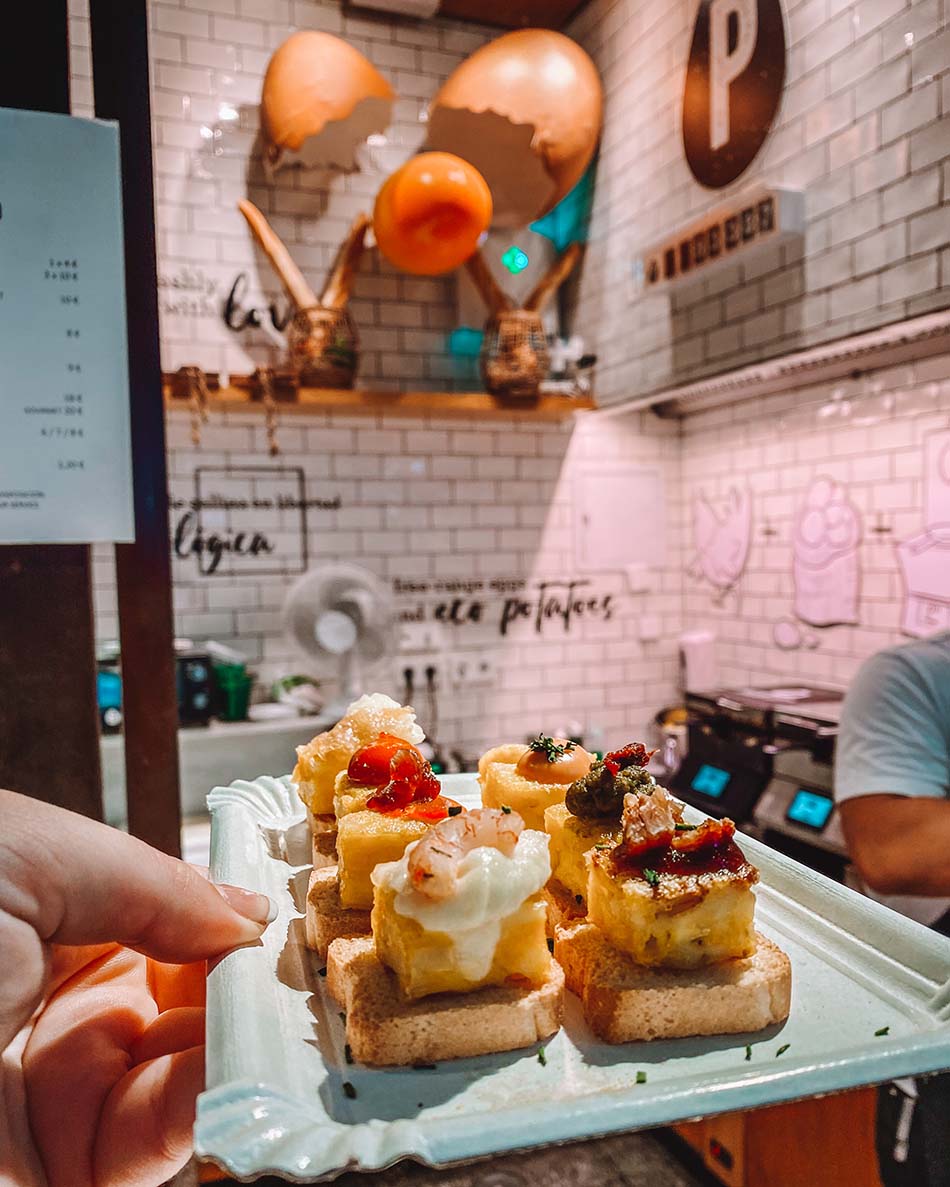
pixel 796 813
pixel 764 757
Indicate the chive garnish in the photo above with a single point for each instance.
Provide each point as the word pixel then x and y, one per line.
pixel 542 1058
pixel 349 1090
pixel 551 750
pixel 781 1051
pixel 685 828
pixel 879 1034
pixel 652 877
pixel 748 1054
pixel 641 1077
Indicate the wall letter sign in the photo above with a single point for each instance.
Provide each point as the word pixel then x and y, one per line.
pixel 734 83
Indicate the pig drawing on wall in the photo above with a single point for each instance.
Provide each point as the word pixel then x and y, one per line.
pixel 722 535
pixel 826 565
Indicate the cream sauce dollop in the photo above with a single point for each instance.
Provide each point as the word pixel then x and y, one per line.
pixel 490 888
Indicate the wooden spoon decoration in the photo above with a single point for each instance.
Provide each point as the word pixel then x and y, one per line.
pixel 515 358
pixel 321 338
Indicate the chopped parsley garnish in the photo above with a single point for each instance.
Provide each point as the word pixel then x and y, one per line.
pixel 347 1053
pixel 781 1051
pixel 349 1090
pixel 542 1058
pixel 455 809
pixel 506 809
pixel 748 1054
pixel 641 1077
pixel 652 877
pixel 885 1030
pixel 551 750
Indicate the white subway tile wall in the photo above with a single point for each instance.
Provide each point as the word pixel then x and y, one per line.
pixel 863 129
pixel 868 435
pixel 208 60
pixel 464 506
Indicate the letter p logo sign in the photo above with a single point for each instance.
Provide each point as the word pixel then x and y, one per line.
pixel 727 63
pixel 733 86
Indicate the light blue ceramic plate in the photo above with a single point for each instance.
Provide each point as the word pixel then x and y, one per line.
pixel 274 1101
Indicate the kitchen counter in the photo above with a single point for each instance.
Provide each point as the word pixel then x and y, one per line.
pixel 218 754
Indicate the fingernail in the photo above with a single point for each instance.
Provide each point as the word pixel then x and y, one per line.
pixel 257 907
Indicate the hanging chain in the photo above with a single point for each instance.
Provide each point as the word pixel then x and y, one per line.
pixel 191 384
pixel 264 391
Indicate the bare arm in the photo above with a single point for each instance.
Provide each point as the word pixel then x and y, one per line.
pixel 900 844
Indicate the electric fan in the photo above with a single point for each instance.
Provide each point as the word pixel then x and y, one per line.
pixel 340 616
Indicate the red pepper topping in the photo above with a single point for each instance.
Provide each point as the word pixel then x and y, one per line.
pixel 709 834
pixel 429 811
pixel 399 771
pixel 634 754
pixel 369 767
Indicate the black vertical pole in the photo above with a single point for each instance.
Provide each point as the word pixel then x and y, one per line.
pixel 120 71
pixel 49 727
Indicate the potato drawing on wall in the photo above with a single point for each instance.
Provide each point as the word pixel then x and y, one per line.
pixel 320 101
pixel 526 110
pixel 826 566
pixel 722 536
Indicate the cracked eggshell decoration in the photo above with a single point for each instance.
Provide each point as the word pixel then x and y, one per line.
pixel 526 110
pixel 321 99
pixel 431 213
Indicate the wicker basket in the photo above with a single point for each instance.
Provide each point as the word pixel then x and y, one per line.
pixel 514 358
pixel 323 347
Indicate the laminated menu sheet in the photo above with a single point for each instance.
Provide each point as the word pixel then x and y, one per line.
pixel 65 457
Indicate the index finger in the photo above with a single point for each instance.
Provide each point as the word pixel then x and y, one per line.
pixel 76 881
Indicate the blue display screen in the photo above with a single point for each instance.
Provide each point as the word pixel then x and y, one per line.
pixel 809 808
pixel 711 781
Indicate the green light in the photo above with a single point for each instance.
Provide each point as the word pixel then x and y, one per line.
pixel 515 260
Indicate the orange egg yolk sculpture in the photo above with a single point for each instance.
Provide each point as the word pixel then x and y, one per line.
pixel 431 213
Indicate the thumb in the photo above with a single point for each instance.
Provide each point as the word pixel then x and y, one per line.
pixel 75 881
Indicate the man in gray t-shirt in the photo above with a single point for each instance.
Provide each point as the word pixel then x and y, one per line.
pixel 892 784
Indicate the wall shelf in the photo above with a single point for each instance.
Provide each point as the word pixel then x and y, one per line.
pixel 242 395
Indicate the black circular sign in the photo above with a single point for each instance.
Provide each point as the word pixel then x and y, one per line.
pixel 734 82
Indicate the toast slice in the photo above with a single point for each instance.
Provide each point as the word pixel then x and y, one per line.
pixel 384 1028
pixel 626 1002
pixel 324 850
pixel 326 919
pixel 563 907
